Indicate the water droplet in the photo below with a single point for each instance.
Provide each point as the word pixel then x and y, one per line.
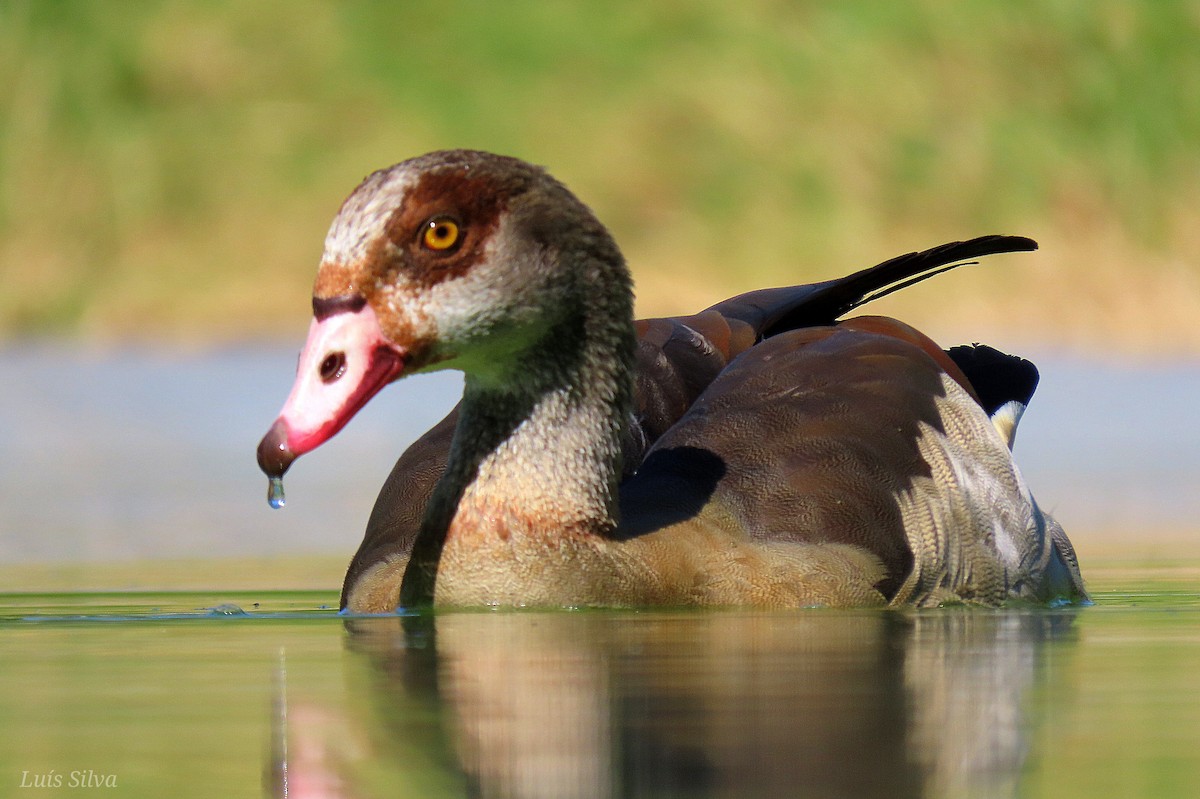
pixel 275 492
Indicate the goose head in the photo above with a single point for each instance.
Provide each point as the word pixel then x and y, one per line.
pixel 455 259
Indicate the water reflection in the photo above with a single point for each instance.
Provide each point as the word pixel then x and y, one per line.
pixel 701 704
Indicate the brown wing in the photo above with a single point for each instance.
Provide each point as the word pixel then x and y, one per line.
pixel 811 436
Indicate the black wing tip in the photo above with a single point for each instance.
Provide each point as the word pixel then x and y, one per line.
pixel 1008 243
pixel 993 244
pixel 824 303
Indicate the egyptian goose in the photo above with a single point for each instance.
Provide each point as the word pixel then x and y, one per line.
pixel 758 453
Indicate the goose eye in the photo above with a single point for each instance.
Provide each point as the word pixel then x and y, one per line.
pixel 441 234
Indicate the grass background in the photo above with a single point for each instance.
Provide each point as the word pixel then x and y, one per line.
pixel 168 169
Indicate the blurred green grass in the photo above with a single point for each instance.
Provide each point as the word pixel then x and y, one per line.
pixel 168 169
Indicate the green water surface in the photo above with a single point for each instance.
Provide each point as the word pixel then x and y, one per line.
pixel 238 693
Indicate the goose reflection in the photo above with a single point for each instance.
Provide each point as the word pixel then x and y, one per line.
pixel 729 704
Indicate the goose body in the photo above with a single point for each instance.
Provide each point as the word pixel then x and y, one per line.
pixel 758 453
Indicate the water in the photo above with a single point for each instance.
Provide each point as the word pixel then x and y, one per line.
pixel 275 497
pixel 151 454
pixel 116 466
pixel 142 454
pixel 212 694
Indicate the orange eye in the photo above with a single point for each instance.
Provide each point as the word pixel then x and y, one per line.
pixel 441 234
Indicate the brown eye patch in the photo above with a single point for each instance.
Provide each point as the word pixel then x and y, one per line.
pixel 445 221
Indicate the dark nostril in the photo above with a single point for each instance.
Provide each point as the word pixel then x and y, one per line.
pixel 333 367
